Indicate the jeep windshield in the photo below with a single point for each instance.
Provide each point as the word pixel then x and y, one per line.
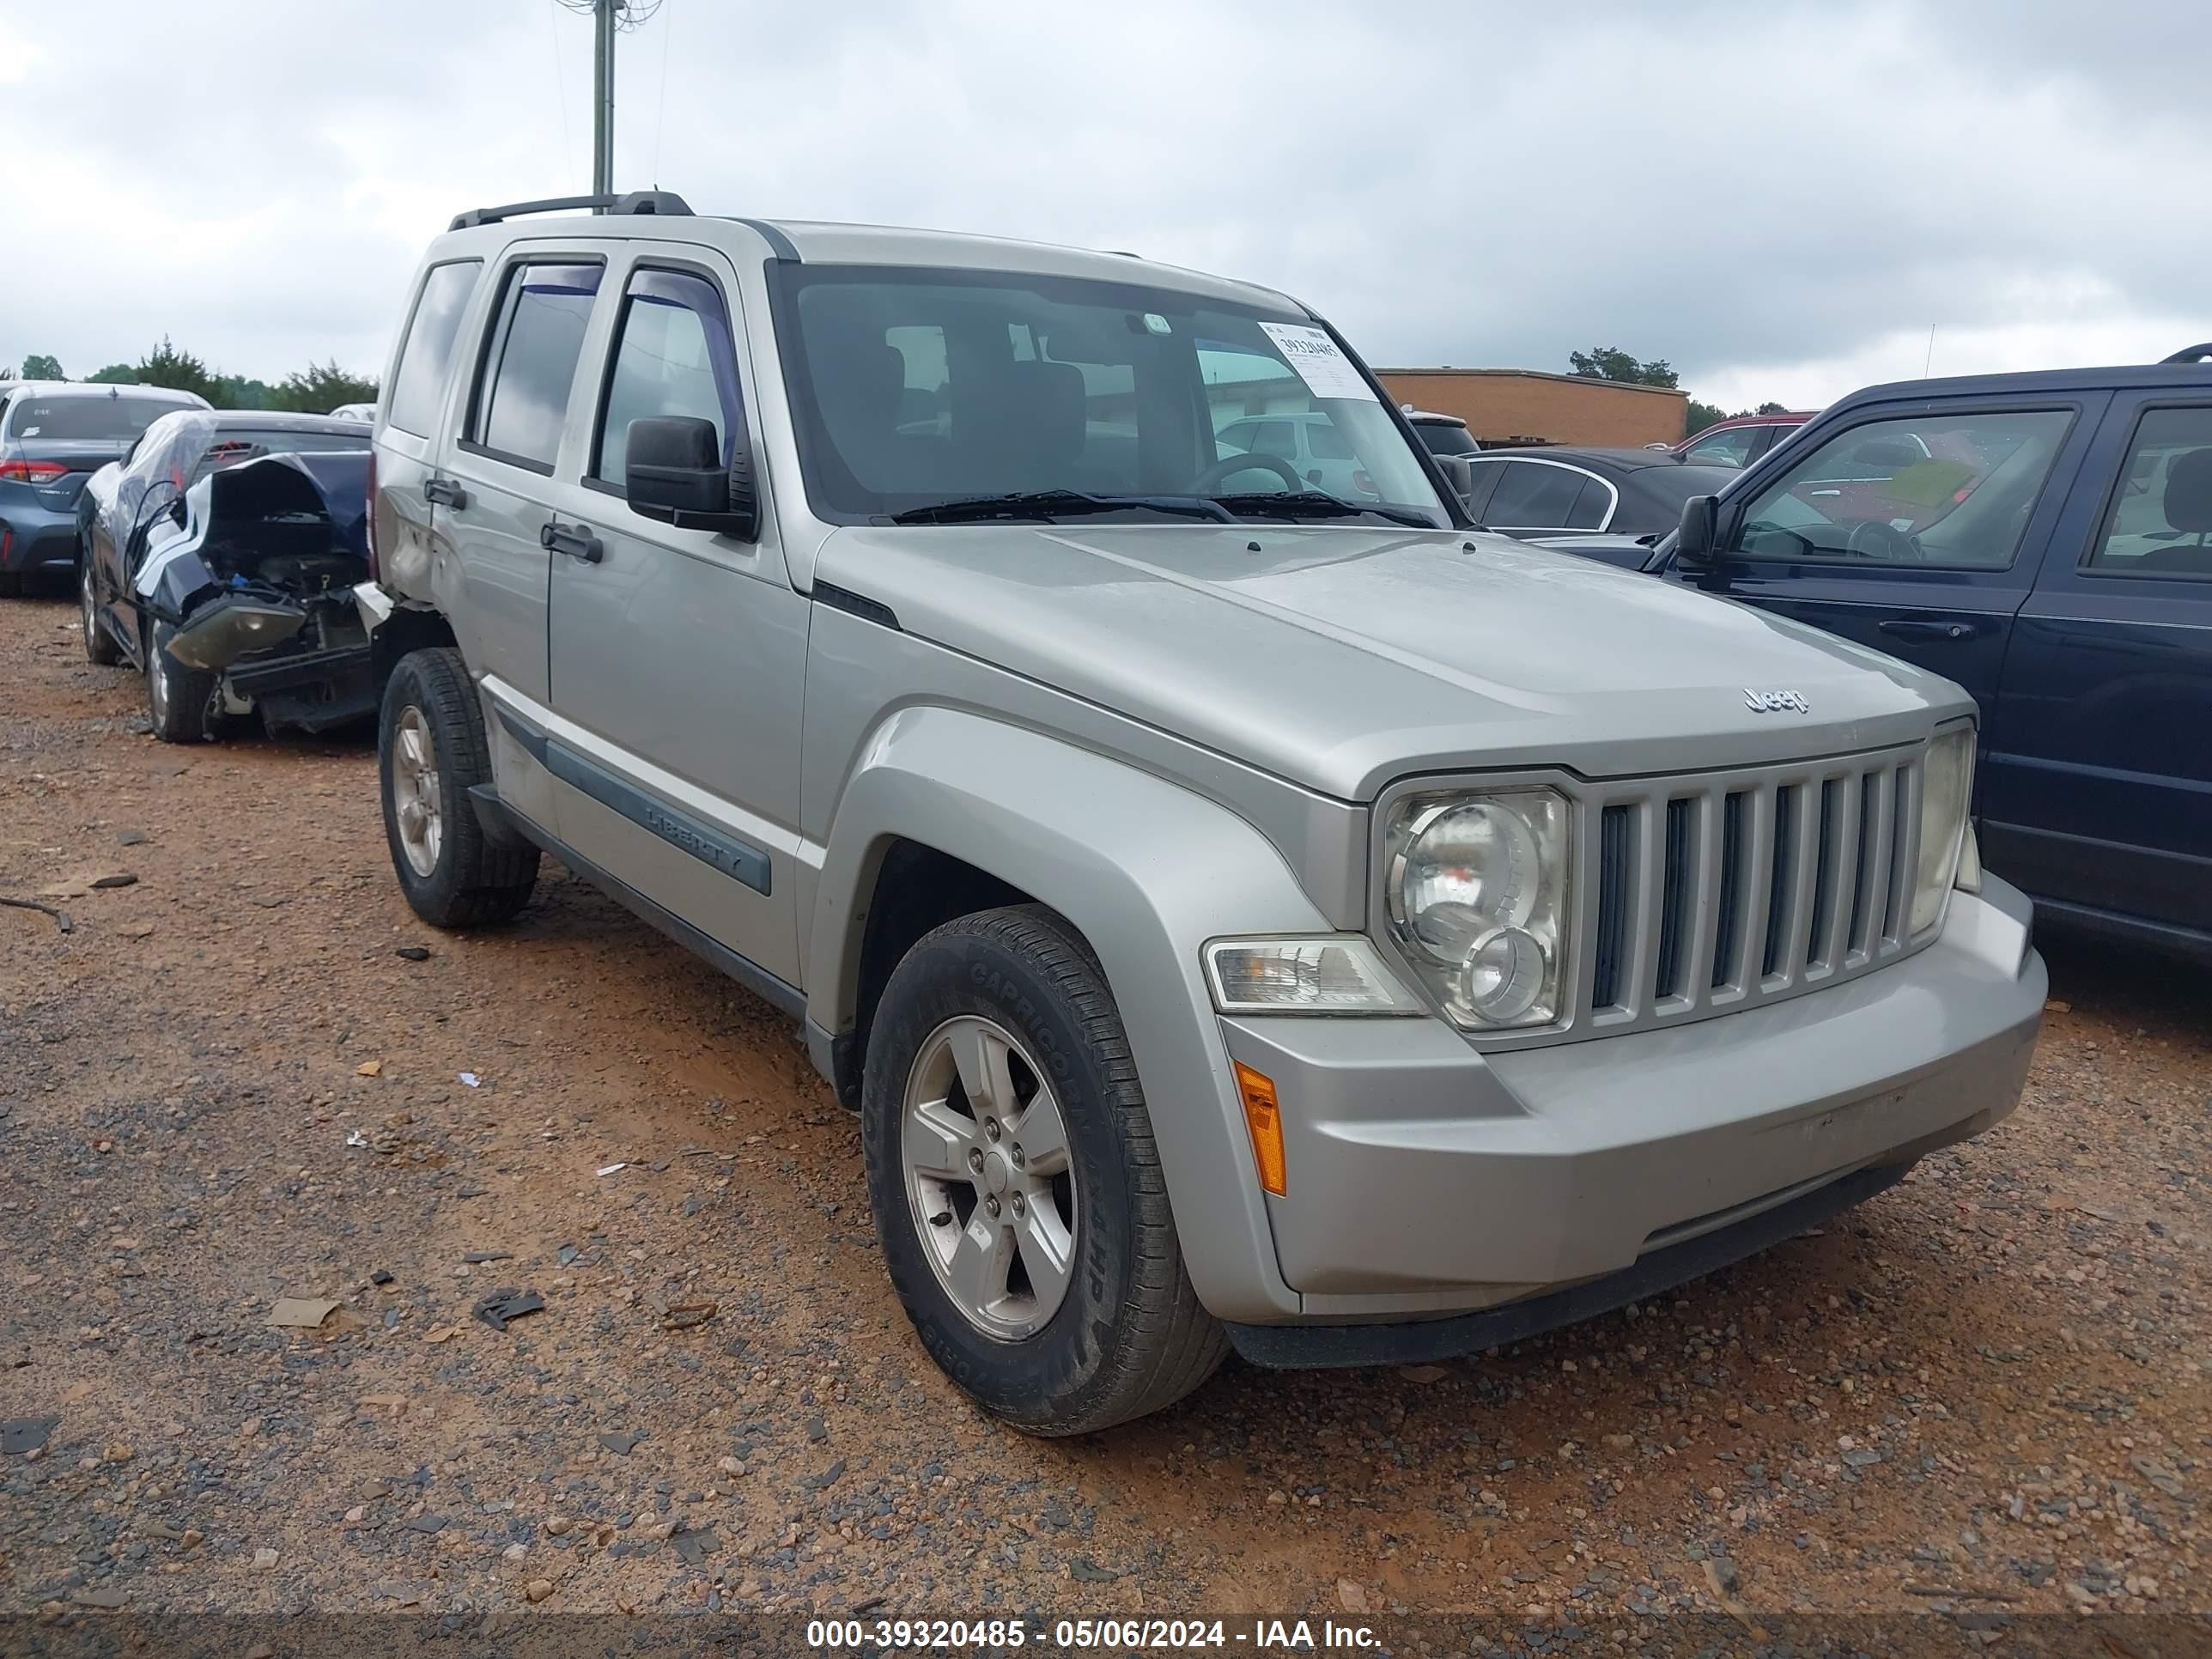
pixel 927 395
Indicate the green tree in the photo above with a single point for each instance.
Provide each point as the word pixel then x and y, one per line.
pixel 179 371
pixel 39 367
pixel 321 387
pixel 1611 363
pixel 237 392
pixel 1699 417
pixel 114 374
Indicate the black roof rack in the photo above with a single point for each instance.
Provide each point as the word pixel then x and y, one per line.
pixel 2196 353
pixel 636 201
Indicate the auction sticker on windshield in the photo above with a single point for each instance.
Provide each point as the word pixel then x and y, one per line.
pixel 1327 372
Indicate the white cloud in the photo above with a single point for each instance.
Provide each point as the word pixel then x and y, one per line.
pixel 1778 198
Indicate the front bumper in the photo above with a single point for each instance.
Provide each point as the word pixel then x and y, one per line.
pixel 1426 1180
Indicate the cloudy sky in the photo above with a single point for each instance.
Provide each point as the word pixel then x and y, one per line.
pixel 1779 198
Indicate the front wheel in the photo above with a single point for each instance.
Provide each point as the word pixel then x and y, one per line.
pixel 1016 1190
pixel 179 701
pixel 430 751
pixel 99 647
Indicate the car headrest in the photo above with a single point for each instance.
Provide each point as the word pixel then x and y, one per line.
pixel 859 385
pixel 1027 418
pixel 2189 491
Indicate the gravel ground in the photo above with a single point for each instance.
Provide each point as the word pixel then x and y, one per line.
pixel 240 1079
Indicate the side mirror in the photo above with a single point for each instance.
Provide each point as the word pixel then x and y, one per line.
pixel 1694 542
pixel 674 472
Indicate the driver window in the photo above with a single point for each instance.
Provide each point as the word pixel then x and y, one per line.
pixel 1952 490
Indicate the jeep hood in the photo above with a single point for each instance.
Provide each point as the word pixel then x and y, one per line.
pixel 1341 658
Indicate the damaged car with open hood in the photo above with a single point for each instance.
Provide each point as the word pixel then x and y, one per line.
pixel 219 559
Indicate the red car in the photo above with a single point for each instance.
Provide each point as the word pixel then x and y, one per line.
pixel 1739 441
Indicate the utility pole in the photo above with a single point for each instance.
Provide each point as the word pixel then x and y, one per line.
pixel 603 95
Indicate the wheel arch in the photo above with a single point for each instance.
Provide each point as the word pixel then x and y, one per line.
pixel 978 812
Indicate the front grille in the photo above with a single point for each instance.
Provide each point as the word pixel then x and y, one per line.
pixel 1707 894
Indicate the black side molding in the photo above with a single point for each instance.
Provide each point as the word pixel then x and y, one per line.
pixel 740 861
pixel 857 605
pixel 771 988
pixel 1301 1347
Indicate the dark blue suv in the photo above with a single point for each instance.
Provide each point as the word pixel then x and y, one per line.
pixel 2045 540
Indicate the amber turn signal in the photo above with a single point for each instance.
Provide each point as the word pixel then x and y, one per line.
pixel 1265 1120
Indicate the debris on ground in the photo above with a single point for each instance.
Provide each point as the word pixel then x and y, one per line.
pixel 61 917
pixel 25 1434
pixel 502 1305
pixel 412 953
pixel 302 1313
pixel 109 884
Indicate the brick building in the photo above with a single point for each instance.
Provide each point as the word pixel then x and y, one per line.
pixel 1526 405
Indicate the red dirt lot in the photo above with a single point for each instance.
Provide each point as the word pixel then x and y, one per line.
pixel 1986 1388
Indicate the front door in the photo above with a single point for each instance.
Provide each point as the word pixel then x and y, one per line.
pixel 2105 799
pixel 1915 530
pixel 678 656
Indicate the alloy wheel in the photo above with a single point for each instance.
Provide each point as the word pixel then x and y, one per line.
pixel 417 800
pixel 989 1177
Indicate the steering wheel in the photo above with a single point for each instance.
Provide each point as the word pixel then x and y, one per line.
pixel 1230 466
pixel 1878 538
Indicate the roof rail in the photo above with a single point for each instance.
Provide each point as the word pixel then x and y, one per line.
pixel 2196 353
pixel 636 201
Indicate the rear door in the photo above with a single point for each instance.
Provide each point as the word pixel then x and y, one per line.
pixel 2102 796
pixel 678 655
pixel 1914 528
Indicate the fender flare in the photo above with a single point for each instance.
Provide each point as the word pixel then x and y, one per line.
pixel 1148 872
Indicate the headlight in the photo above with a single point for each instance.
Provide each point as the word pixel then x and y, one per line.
pixel 1476 888
pixel 1333 975
pixel 1946 786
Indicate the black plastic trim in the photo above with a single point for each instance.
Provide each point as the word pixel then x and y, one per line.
pixel 1301 1347
pixel 738 859
pixel 771 988
pixel 856 605
pixel 255 677
pixel 645 202
pixel 785 249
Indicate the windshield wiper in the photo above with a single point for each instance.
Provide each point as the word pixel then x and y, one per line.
pixel 1318 504
pixel 1050 504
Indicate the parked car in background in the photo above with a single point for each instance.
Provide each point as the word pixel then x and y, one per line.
pixel 1316 449
pixel 1243 917
pixel 1444 435
pixel 1739 440
pixel 1622 499
pixel 53 437
pixel 354 412
pixel 220 560
pixel 2045 540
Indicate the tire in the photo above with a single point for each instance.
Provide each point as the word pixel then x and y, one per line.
pixel 179 701
pixel 454 876
pixel 100 649
pixel 1125 1336
pixel 11 584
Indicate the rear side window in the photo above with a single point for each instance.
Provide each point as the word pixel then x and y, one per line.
pixel 673 355
pixel 419 384
pixel 2160 522
pixel 1533 496
pixel 522 396
pixel 1442 438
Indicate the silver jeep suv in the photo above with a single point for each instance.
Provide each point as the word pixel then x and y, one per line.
pixel 1249 908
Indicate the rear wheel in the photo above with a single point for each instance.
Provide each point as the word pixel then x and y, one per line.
pixel 1016 1189
pixel 180 699
pixel 431 750
pixel 11 584
pixel 99 649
